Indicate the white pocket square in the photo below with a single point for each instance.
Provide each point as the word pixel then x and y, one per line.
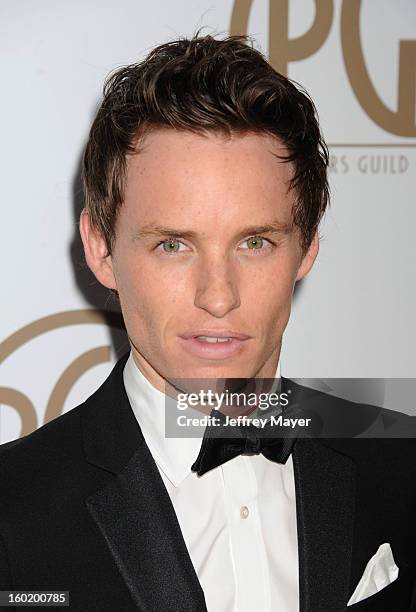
pixel 380 571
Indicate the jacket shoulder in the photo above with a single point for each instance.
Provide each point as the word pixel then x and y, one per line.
pixel 59 437
pixel 62 437
pixel 365 432
pixel 54 454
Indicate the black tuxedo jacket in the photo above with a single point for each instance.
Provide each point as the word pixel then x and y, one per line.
pixel 83 509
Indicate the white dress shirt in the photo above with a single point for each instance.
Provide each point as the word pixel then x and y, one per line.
pixel 238 520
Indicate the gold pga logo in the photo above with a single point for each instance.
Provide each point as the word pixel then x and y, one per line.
pixel 18 400
pixel 283 50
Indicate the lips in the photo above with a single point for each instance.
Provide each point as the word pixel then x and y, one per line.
pixel 215 333
pixel 214 344
pixel 212 340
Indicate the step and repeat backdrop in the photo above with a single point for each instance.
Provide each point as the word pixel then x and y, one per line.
pixel 353 316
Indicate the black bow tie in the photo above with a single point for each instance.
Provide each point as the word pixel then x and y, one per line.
pixel 224 442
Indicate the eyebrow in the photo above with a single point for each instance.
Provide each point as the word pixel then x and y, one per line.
pixel 275 227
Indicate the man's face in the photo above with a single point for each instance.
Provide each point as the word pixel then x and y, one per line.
pixel 204 247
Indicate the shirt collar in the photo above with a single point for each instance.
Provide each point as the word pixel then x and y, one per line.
pixel 174 456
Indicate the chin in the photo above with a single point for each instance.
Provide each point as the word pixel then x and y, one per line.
pixel 220 370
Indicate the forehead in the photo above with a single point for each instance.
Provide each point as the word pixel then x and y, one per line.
pixel 181 173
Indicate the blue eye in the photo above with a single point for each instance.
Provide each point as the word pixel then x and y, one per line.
pixel 171 245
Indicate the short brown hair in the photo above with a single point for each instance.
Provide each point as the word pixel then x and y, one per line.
pixel 203 84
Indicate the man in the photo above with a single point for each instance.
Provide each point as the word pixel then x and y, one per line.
pixel 205 181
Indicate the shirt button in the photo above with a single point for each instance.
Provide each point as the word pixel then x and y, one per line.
pixel 244 512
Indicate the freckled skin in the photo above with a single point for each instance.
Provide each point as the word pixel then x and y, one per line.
pixel 216 280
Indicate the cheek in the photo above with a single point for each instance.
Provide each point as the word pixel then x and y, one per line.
pixel 272 309
pixel 269 291
pixel 149 294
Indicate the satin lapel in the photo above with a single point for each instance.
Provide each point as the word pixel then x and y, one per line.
pixel 325 501
pixel 136 518
pixel 133 510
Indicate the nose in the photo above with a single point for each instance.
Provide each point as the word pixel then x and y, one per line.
pixel 217 287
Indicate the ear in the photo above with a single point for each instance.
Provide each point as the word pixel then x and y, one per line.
pixel 95 248
pixel 309 258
